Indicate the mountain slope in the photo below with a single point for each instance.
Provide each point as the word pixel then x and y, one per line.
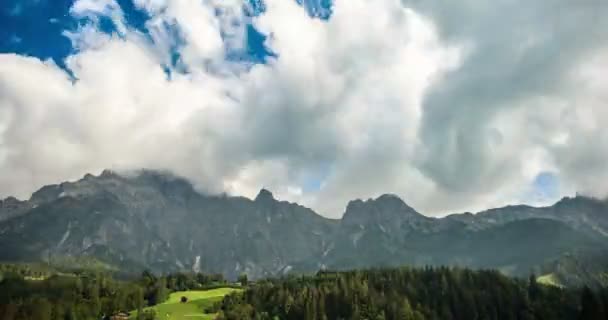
pixel 151 219
pixel 159 221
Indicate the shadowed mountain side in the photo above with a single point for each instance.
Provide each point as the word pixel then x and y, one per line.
pixel 152 219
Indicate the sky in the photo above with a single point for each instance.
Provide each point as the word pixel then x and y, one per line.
pixel 452 105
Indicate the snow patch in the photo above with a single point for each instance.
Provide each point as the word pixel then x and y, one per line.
pixel 197 264
pixel 86 243
pixel 599 230
pixel 66 235
pixel 328 250
pixel 356 237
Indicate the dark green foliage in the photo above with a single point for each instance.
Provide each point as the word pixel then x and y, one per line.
pixel 66 297
pixel 93 295
pixel 592 307
pixel 243 279
pixel 411 294
pixel 140 304
pixel 149 315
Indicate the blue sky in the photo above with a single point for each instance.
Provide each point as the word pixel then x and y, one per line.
pixel 547 185
pixel 36 28
pixel 447 105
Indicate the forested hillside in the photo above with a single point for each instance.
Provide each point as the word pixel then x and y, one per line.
pixel 33 293
pixel 416 294
pixel 376 294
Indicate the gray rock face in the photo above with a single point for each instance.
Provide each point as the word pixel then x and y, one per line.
pixel 155 220
pixel 581 213
pixel 11 207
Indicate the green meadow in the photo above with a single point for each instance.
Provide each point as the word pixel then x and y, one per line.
pixel 193 309
pixel 549 280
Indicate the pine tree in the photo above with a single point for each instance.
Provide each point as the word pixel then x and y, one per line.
pixel 533 287
pixel 140 304
pixel 243 279
pixel 161 293
pixel 93 293
pixel 406 312
pixel 590 306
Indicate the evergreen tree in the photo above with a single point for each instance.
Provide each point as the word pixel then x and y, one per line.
pixel 161 293
pixel 591 307
pixel 533 287
pixel 140 304
pixel 406 312
pixel 243 279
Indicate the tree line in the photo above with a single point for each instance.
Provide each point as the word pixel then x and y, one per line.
pixel 30 293
pixel 375 294
pixel 412 294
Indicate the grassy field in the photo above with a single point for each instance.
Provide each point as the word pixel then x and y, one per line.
pixel 549 280
pixel 173 309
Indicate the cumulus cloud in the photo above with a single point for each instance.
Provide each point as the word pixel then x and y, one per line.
pixel 452 106
pixel 496 117
pixel 93 9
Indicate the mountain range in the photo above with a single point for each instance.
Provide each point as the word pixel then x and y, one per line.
pixel 155 220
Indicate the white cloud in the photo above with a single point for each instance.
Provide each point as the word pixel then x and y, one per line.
pixel 437 103
pixel 92 9
pixel 96 7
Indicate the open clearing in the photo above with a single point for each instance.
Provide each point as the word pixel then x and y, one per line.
pixel 173 309
pixel 549 280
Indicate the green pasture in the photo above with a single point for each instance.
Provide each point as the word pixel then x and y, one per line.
pixel 193 309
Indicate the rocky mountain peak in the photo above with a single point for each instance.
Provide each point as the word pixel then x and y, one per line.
pixel 10 201
pixel 392 200
pixel 385 207
pixel 580 200
pixel 264 196
pixel 12 206
pixel 107 173
pixel 46 194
